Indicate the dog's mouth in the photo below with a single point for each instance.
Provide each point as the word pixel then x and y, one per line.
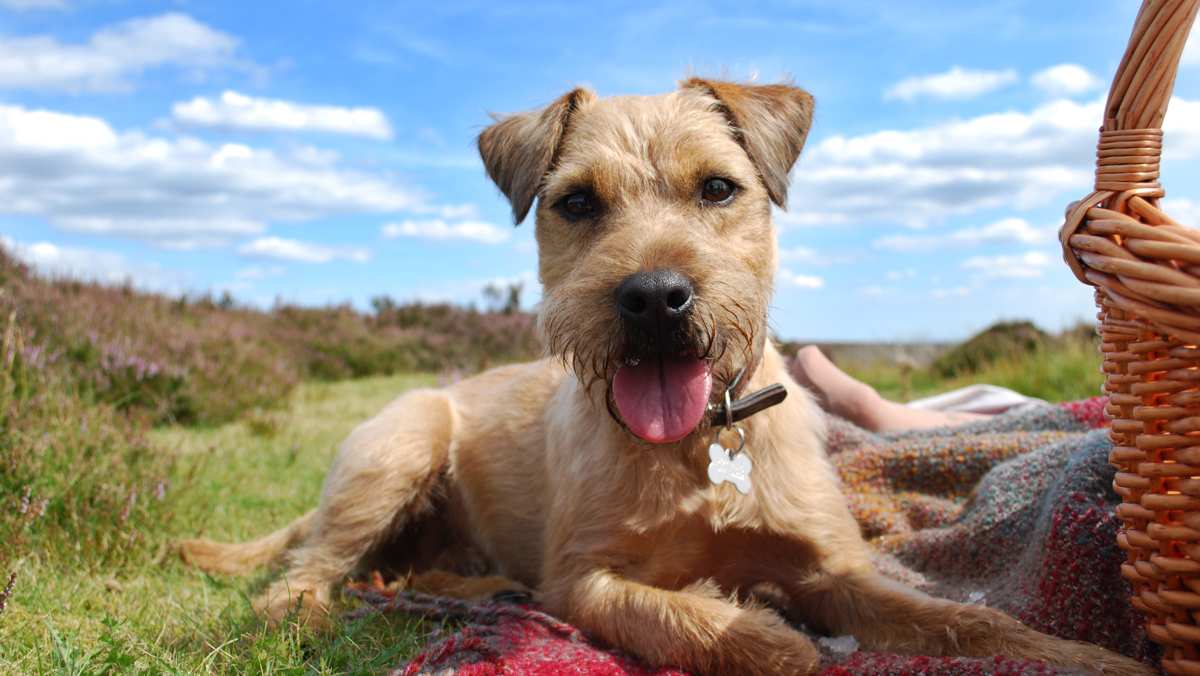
pixel 661 398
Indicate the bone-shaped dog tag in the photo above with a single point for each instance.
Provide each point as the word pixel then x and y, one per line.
pixel 722 468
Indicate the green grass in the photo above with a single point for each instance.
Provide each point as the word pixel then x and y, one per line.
pixel 1057 370
pixel 99 589
pixel 151 614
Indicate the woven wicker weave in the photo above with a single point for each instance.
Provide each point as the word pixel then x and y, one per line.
pixel 1146 270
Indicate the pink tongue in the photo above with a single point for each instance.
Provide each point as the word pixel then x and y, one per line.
pixel 662 399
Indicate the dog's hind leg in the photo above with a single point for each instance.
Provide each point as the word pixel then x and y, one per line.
pixel 385 473
pixel 885 615
pixel 239 558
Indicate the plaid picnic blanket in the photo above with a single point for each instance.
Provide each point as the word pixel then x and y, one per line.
pixel 1015 511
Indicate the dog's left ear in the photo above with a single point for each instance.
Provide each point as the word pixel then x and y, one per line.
pixel 770 121
pixel 519 149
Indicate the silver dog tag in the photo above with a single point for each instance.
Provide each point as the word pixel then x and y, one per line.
pixel 735 468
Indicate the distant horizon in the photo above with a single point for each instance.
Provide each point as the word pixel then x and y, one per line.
pixel 327 156
pixel 480 305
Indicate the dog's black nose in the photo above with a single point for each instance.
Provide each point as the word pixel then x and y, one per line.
pixel 654 299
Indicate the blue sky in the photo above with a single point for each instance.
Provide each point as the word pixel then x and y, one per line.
pixel 321 152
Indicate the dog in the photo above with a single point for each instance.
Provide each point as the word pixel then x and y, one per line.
pixel 588 476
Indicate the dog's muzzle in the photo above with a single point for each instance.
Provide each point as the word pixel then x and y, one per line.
pixel 662 388
pixel 655 307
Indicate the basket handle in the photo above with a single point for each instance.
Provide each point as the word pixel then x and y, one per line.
pixel 1130 147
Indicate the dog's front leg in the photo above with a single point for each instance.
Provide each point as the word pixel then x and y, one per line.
pixel 693 628
pixel 885 615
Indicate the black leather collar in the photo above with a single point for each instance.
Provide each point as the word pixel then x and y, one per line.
pixel 730 410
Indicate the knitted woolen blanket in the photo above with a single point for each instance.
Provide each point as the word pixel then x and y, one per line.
pixel 1015 512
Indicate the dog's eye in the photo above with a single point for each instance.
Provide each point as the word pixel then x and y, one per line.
pixel 717 190
pixel 578 205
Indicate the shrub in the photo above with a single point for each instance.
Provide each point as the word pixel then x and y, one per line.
pixel 78 482
pixel 999 341
pixel 200 360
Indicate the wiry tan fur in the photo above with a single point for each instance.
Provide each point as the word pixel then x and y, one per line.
pixel 524 467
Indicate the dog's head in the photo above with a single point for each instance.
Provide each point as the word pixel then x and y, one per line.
pixel 655 244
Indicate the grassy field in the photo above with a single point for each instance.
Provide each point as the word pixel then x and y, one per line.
pixel 130 420
pixel 148 613
pixel 151 614
pixel 1058 370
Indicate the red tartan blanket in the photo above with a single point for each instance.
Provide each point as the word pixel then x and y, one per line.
pixel 1015 512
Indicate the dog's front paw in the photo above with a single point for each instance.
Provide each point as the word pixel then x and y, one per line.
pixel 306 605
pixel 765 644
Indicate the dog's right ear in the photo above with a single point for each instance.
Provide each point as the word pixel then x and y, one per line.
pixel 520 149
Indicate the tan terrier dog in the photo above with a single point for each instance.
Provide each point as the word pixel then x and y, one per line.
pixel 592 476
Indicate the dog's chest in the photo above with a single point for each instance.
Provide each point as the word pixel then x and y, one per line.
pixel 661 505
pixel 691 551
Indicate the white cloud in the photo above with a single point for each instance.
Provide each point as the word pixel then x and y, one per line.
pixel 171 233
pixel 80 174
pixel 897 275
pixel 1030 264
pixel 1011 160
pixel 438 229
pixel 239 111
pixel 94 265
pixel 807 219
pixel 1182 127
pixel 807 256
pixel 255 272
pixel 23 5
pixel 799 254
pixel 802 281
pixel 951 292
pixel 1191 51
pixel 956 83
pixel 908 242
pixel 1065 79
pixel 71 262
pixel 1184 211
pixel 458 211
pixel 303 252
pixel 113 54
pixel 1005 230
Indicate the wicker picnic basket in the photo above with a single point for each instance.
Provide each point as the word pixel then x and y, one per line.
pixel 1146 271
